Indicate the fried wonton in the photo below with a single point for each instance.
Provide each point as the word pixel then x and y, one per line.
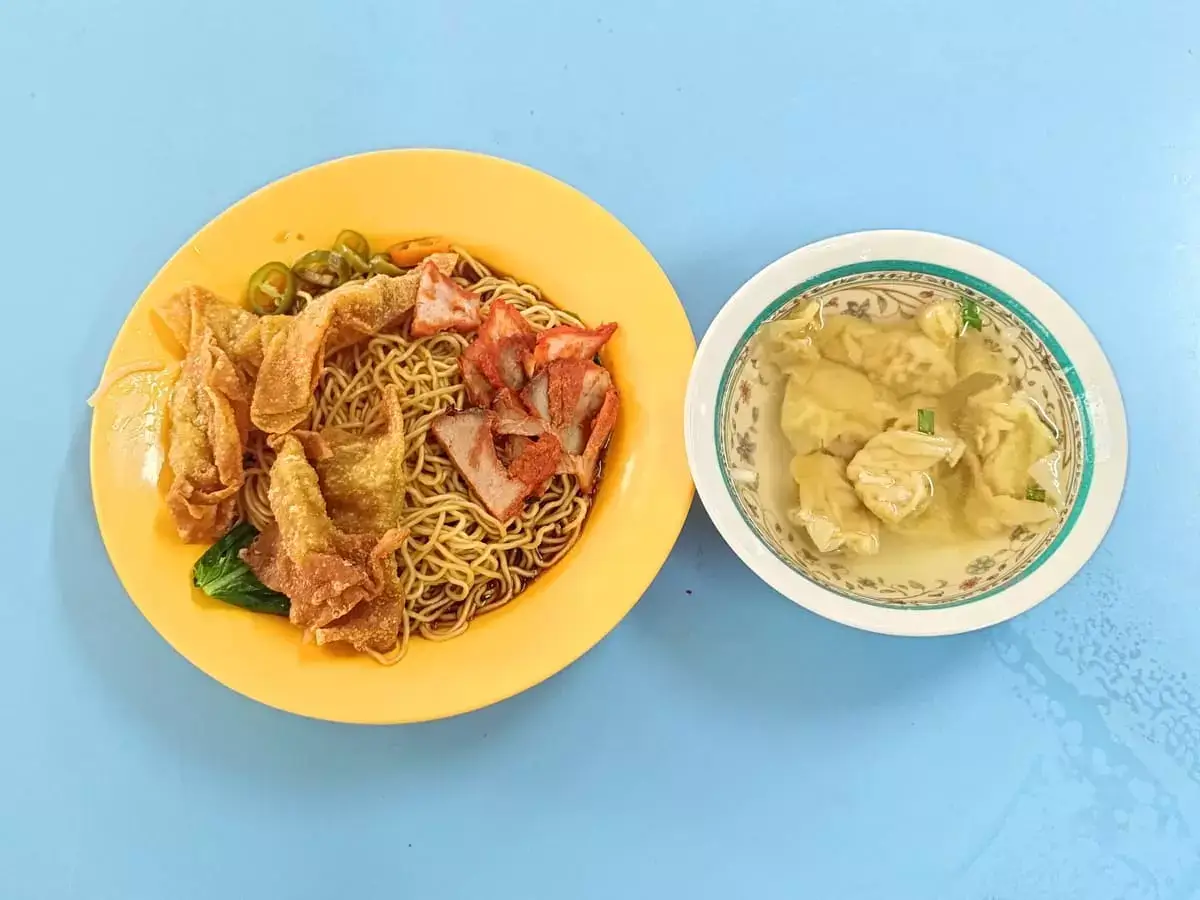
pixel 206 436
pixel 292 361
pixel 362 478
pixel 228 322
pixel 324 571
pixel 252 346
pixel 242 335
pixel 234 329
pixel 375 624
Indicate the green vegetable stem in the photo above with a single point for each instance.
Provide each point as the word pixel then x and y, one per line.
pixel 925 421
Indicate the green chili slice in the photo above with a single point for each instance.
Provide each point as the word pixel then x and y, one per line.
pixel 322 268
pixel 271 290
pixel 355 248
pixel 381 264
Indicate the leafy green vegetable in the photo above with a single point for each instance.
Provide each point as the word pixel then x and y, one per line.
pixel 970 313
pixel 222 574
pixel 925 421
pixel 1035 493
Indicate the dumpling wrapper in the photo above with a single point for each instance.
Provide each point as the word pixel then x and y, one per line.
pixel 206 437
pixel 989 514
pixel 790 341
pixel 292 361
pixel 251 348
pixel 373 625
pixel 1009 436
pixel 898 356
pixel 828 509
pixel 833 407
pixel 324 571
pixel 232 326
pixel 893 473
pixel 362 478
pixel 974 357
pixel 941 322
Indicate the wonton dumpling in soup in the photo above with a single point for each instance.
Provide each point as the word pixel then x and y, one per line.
pixel 829 510
pixel 941 322
pixel 828 406
pixel 790 341
pixel 898 356
pixel 990 514
pixel 881 414
pixel 973 357
pixel 1008 435
pixel 893 473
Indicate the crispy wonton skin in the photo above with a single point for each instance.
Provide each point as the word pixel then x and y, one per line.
pixel 291 365
pixel 292 361
pixel 374 624
pixel 234 329
pixel 323 570
pixel 362 478
pixel 251 347
pixel 206 436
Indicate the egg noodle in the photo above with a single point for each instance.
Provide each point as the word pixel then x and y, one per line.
pixel 458 561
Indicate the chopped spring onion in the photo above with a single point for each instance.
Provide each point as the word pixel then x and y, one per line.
pixel 925 421
pixel 1035 493
pixel 970 313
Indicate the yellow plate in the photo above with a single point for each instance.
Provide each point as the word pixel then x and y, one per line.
pixel 521 222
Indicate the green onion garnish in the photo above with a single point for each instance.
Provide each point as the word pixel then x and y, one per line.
pixel 925 421
pixel 1035 493
pixel 970 313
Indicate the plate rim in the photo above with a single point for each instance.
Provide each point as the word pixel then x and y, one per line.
pixel 1061 320
pixel 671 530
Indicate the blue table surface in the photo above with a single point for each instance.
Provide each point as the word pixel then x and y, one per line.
pixel 721 742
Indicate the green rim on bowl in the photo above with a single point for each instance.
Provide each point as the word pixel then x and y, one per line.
pixel 969 284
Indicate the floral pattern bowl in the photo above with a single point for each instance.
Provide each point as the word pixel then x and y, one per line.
pixel 739 456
